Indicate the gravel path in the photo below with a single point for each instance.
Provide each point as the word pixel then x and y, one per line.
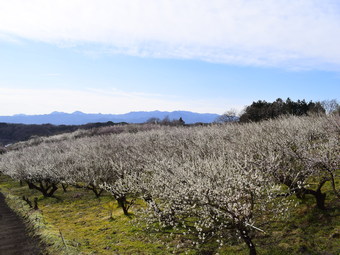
pixel 13 237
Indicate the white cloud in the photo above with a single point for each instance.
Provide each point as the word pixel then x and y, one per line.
pixel 288 33
pixel 43 101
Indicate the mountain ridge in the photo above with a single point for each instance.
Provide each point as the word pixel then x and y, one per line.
pixel 80 118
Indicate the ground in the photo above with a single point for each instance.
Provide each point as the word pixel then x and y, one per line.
pixel 14 239
pixel 76 222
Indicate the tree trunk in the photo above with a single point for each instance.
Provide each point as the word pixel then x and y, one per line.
pixel 123 204
pixel 51 192
pixel 27 201
pixel 246 238
pixel 47 190
pixel 36 204
pixel 319 196
pixel 64 186
pixel 97 193
pixel 320 200
pixel 152 204
pixel 95 190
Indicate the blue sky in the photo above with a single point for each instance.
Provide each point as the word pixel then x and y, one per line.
pixel 204 56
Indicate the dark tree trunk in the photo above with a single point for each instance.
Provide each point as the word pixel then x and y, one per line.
pixel 321 201
pixel 123 204
pixel 53 189
pixel 246 238
pixel 47 189
pixel 36 204
pixel 318 195
pixel 300 194
pixel 95 190
pixel 27 201
pixel 152 204
pixel 64 186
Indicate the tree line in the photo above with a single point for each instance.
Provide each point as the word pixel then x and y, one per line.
pixel 263 110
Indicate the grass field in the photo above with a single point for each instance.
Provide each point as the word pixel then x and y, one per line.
pixel 76 222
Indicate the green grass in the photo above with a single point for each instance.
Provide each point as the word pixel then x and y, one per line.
pixel 85 223
pixel 87 228
pixel 307 230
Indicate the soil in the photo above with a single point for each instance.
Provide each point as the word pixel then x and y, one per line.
pixel 14 239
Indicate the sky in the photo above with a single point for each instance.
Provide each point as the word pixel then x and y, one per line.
pixel 117 56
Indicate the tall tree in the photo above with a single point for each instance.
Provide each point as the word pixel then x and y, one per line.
pixel 262 110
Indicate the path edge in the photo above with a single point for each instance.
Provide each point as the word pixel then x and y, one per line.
pixel 49 242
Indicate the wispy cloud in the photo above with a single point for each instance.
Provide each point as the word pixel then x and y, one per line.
pixel 9 38
pixel 284 33
pixel 33 101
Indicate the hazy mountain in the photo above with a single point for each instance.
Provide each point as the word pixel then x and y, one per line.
pixel 79 118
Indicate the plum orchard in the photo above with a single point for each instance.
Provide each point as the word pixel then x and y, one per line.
pixel 217 182
pixel 41 167
pixel 308 154
pixel 107 162
pixel 202 185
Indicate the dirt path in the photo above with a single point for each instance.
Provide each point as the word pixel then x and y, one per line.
pixel 13 237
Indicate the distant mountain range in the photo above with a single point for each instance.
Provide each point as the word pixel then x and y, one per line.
pixel 80 118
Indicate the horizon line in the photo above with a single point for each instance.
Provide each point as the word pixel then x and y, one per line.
pixel 81 112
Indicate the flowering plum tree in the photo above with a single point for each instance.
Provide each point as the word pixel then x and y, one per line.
pixel 306 153
pixel 39 166
pixel 204 185
pixel 106 163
